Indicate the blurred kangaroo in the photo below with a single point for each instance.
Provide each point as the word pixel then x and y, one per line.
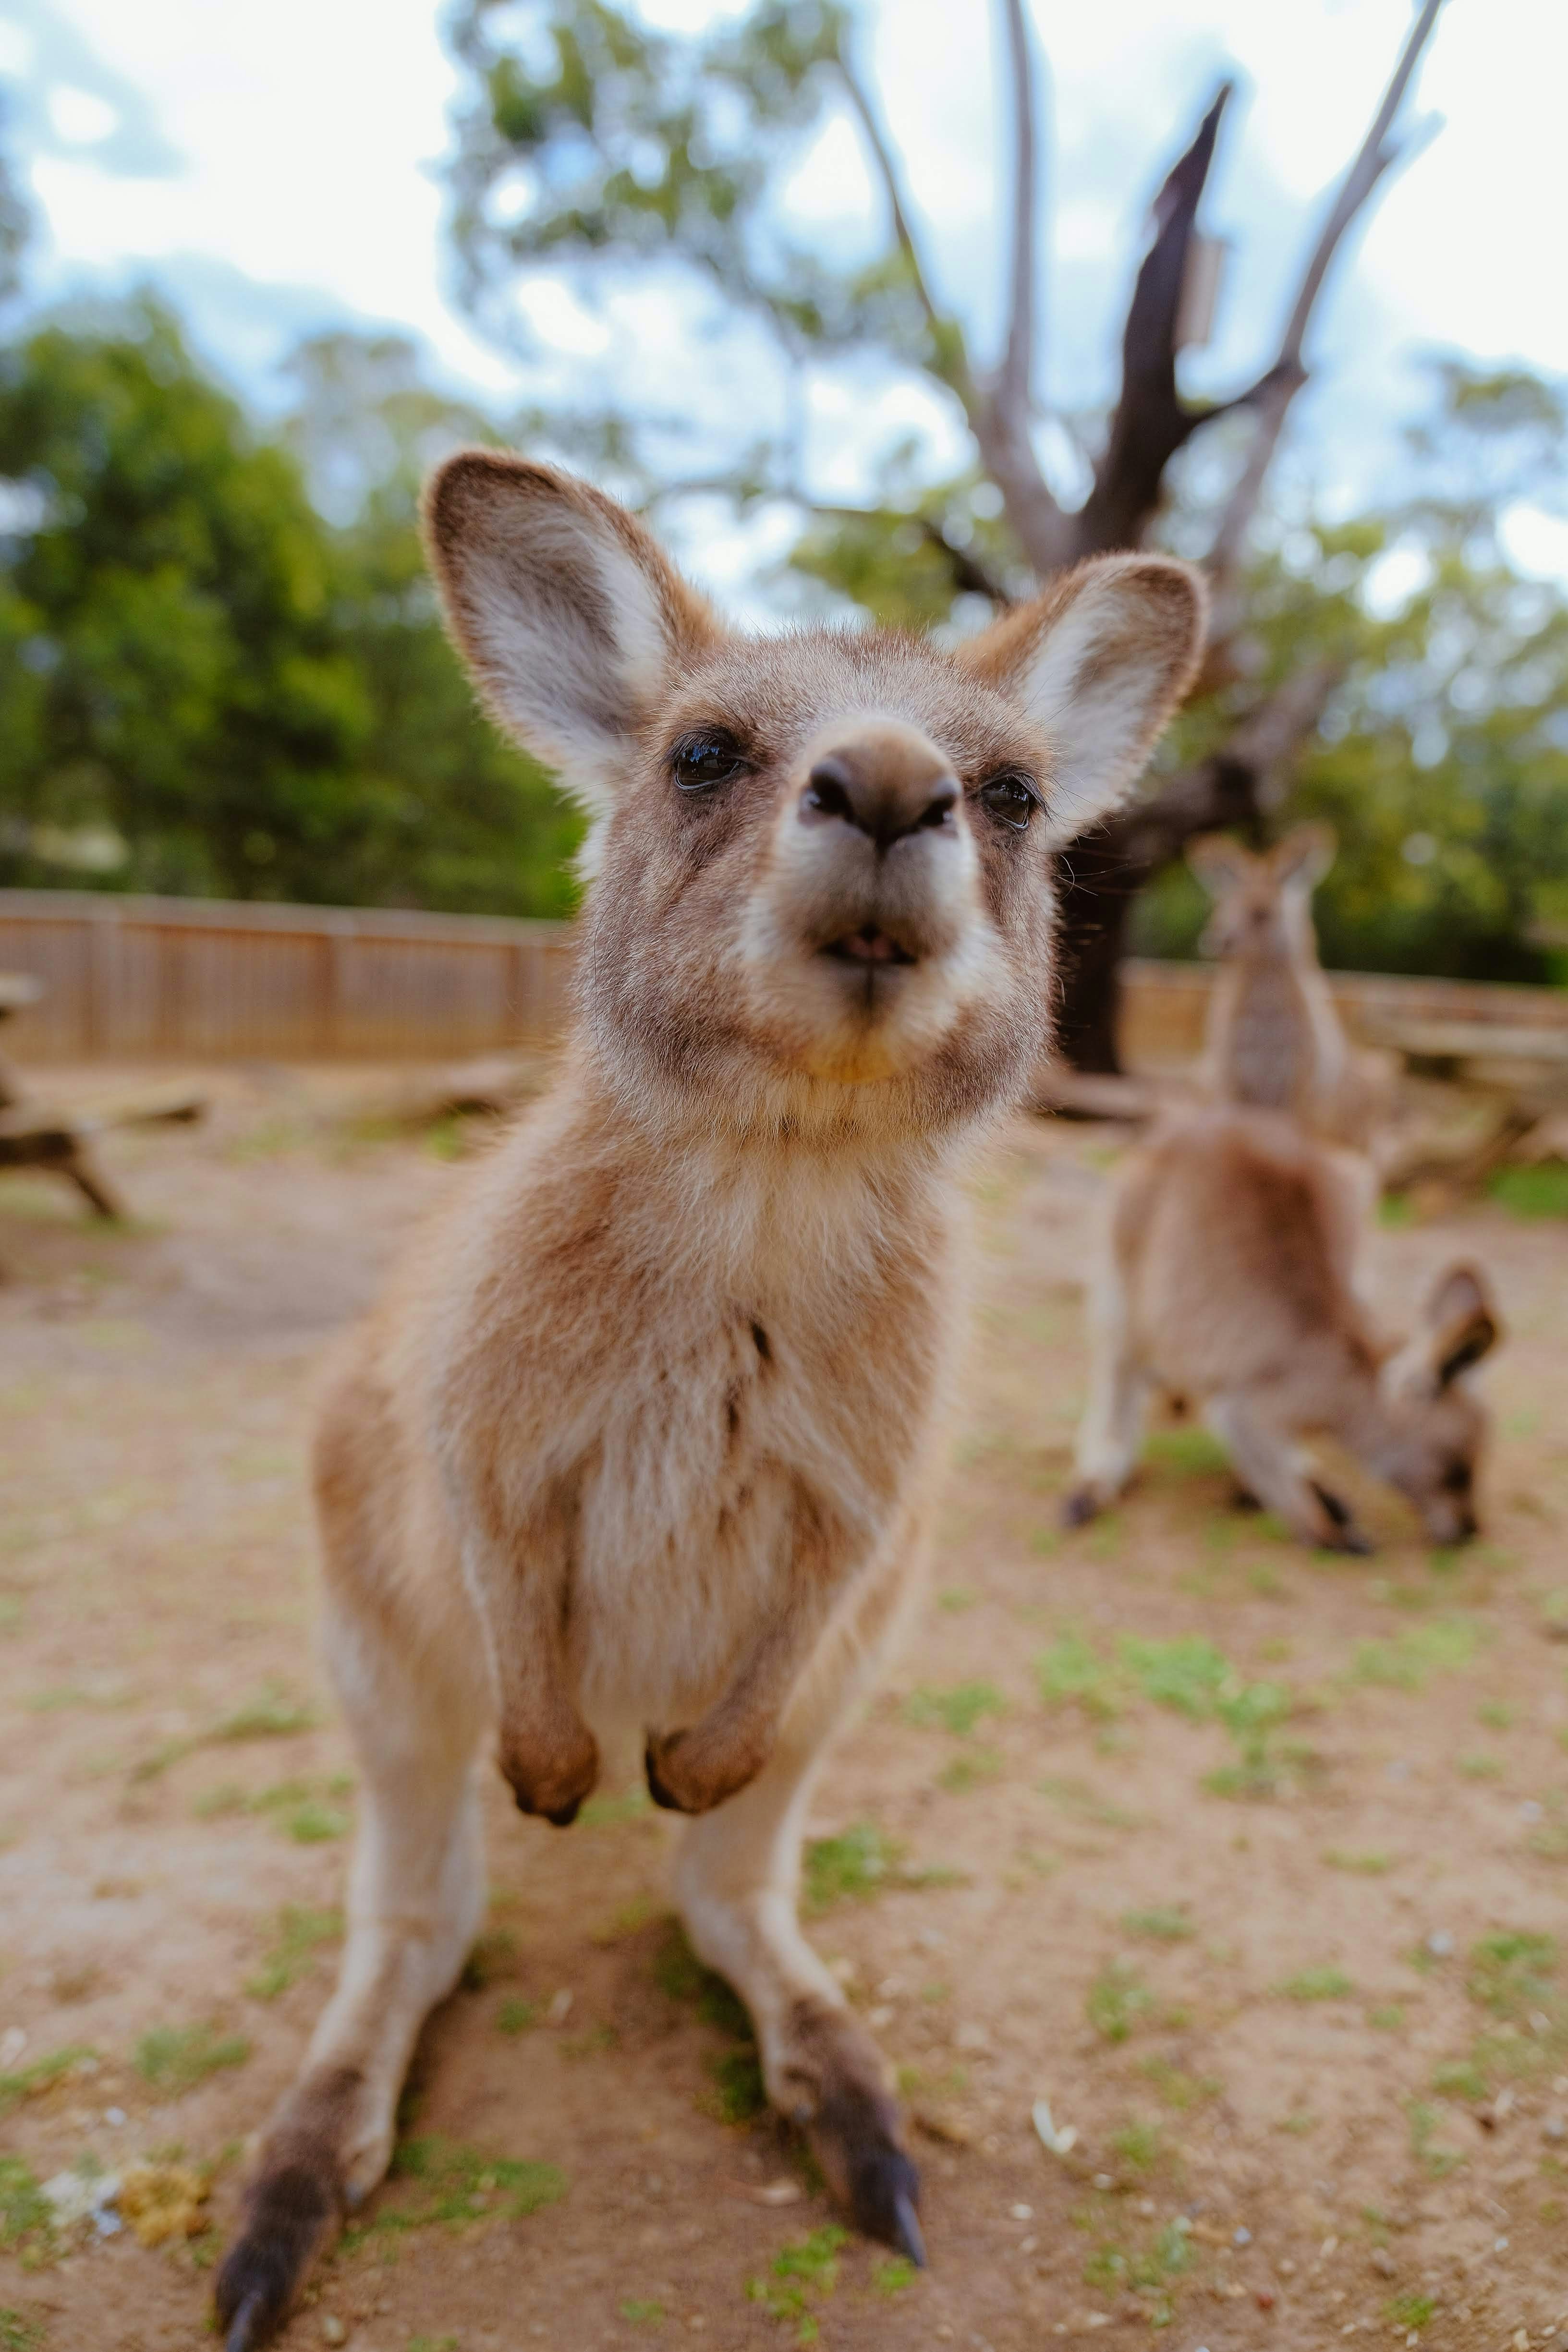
pixel 1229 1277
pixel 1274 1038
pixel 644 1441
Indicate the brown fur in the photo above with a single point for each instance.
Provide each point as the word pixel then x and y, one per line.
pixel 1274 1038
pixel 1230 1277
pixel 643 1443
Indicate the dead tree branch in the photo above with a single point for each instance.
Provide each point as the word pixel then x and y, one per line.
pixel 1013 397
pixel 1270 398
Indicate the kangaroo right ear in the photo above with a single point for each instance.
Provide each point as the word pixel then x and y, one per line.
pixel 569 615
pixel 1220 864
pixel 1304 857
pixel 1462 1321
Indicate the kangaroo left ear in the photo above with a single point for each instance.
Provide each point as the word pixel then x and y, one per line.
pixel 1100 662
pixel 1304 857
pixel 1462 1321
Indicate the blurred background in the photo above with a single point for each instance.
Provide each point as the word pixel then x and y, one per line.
pixel 880 311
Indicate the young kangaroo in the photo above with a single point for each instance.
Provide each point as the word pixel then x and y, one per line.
pixel 645 1440
pixel 1229 1276
pixel 1274 1038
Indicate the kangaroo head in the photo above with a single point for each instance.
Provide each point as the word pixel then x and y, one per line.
pixel 821 862
pixel 1436 1425
pixel 1263 905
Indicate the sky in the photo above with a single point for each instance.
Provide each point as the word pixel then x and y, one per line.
pixel 275 171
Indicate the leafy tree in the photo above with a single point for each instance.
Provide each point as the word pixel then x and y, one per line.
pixel 593 147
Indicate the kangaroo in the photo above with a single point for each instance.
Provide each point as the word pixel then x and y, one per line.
pixel 645 1441
pixel 1229 1276
pixel 1274 1038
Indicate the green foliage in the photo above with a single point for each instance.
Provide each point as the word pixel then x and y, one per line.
pixel 1186 1673
pixel 41 2075
pixel 957 1710
pixel 1168 1923
pixel 862 1861
pixel 27 2220
pixel 517 2016
pixel 174 2058
pixel 207 686
pixel 1116 2001
pixel 1322 1984
pixel 457 2184
pixel 798 2277
pixel 299 1933
pixel 1513 1974
pixel 1532 1193
pixel 1415 1653
pixel 20 2331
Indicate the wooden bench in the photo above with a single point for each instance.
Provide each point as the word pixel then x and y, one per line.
pixel 33 1135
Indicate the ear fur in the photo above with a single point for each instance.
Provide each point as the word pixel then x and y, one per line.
pixel 567 613
pixel 1220 864
pixel 1462 1321
pixel 1304 857
pixel 1100 661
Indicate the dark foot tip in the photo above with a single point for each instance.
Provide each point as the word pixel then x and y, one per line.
pixel 655 1788
pixel 249 2327
pixel 564 1815
pixel 907 2235
pixel 1078 1508
pixel 884 2201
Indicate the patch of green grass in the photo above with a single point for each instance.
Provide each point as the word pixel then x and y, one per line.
pixel 738 2092
pixel 1164 1925
pixel 1323 1983
pixel 893 2274
pixel 298 1933
pixel 456 2184
pixel 1176 2089
pixel 1541 1191
pixel 491 1955
pixel 1395 1211
pixel 609 1813
pixel 1475 1765
pixel 1408 1660
pixel 515 2016
pixel 957 1710
pixel 1116 2001
pixel 1139 2144
pixel 30 2082
pixel 1408 2311
pixel 1072 1673
pixel 1361 1865
pixel 273 1713
pixel 1192 1452
pixel 1388 2018
pixel 638 2313
pixel 1512 1974
pixel 1433 2159
pixel 627 1919
pixel 20 2331
pixel 175 2058
pixel 799 2276
pixel 976 1768
pixel 956 1600
pixel 26 2218
pixel 1497 1714
pixel 298 1808
pixel 1459 2078
pixel 861 1861
pixel 1186 1673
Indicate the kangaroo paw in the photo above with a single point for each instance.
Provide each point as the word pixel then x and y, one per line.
pixel 689 1774
pixel 853 2124
pixel 552 1780
pixel 1080 1504
pixel 1343 1534
pixel 287 2213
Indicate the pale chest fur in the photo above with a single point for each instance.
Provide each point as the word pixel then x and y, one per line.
pixel 694 1382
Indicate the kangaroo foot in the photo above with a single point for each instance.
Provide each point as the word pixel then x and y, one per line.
pixel 833 2087
pixel 1340 1532
pixel 550 1777
pixel 1081 1504
pixel 295 2200
pixel 691 1771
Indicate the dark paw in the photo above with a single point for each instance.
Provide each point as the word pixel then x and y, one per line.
pixel 288 2214
pixel 658 1788
pixel 856 2136
pixel 1345 1535
pixel 683 1780
pixel 884 2201
pixel 554 1792
pixel 1079 1507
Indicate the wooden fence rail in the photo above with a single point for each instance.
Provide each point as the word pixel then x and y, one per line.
pixel 196 980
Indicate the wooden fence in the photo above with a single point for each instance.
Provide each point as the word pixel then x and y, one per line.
pixel 194 979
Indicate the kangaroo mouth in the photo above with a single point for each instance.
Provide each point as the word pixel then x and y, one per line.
pixel 870 945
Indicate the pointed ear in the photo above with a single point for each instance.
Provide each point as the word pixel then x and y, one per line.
pixel 569 617
pixel 1099 661
pixel 1303 857
pixel 1220 864
pixel 1462 1323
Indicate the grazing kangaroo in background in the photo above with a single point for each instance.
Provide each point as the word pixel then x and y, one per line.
pixel 1229 1277
pixel 1274 1038
pixel 645 1439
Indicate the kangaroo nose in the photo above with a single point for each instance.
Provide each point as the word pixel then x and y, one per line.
pixel 881 799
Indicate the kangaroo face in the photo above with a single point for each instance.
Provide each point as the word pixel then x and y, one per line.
pixel 822 862
pixel 1438 1424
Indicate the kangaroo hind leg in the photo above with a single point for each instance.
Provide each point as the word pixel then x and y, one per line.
pixel 415 1899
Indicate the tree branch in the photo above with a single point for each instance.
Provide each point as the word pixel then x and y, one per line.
pixel 1270 398
pixel 1013 397
pixel 1152 422
pixel 949 359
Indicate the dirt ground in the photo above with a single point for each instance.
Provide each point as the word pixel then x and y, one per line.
pixel 1251 1864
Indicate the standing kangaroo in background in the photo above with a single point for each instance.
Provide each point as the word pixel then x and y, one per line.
pixel 1229 1275
pixel 1273 1036
pixel 645 1439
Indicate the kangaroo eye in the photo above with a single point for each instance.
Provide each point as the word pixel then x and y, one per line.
pixel 1011 797
pixel 700 761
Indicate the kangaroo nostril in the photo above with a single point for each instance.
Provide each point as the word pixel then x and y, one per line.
pixel 938 808
pixel 826 792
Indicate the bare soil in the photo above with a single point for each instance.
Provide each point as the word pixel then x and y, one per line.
pixel 1252 1863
